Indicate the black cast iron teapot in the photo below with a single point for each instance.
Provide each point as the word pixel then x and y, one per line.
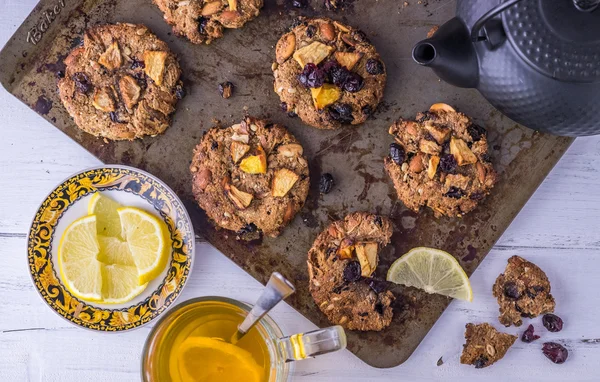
pixel 537 61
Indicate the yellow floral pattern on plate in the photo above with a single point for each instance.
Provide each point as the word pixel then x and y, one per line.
pixel 41 236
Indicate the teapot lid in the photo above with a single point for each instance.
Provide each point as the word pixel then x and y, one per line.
pixel 557 37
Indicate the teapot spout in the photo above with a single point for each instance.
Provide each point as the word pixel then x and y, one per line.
pixel 451 54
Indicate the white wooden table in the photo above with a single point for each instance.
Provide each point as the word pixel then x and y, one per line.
pixel 557 229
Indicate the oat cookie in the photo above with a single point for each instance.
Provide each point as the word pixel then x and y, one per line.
pixel 485 345
pixel 340 265
pixel 523 290
pixel 202 21
pixel 250 177
pixel 328 73
pixel 122 83
pixel 441 161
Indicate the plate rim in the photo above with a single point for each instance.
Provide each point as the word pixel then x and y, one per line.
pixel 192 250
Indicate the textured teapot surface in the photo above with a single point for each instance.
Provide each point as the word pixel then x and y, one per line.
pixel 538 62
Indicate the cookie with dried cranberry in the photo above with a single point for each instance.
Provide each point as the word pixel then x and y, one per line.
pixel 440 160
pixel 122 83
pixel 202 21
pixel 341 264
pixel 328 73
pixel 484 345
pixel 523 290
pixel 251 177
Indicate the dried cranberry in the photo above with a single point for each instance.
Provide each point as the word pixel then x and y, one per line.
pixel 379 308
pixel 555 352
pixel 299 3
pixel 397 153
pixel 179 91
pixel 202 22
pixel 137 64
pixel 379 221
pixel 352 271
pixel 140 77
pixel 341 112
pixel 114 116
pixel 283 107
pixel 214 145
pixel 477 196
pixel 454 192
pixel 312 76
pixel 552 322
pixel 448 164
pixel 377 286
pixel 480 362
pixel 248 228
pixel 511 290
pixel 60 74
pixel 528 335
pixel 336 74
pixel 226 89
pixel 82 82
pixel 374 66
pixel 326 183
pixel 476 132
pixel 310 31
pixel 354 83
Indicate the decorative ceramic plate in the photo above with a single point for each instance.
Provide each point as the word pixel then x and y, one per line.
pixel 128 186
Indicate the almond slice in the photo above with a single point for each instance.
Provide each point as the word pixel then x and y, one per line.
pixel 290 150
pixel 416 163
pixel 348 59
pixel 155 65
pixel 283 181
pixel 111 59
pixel 341 27
pixel 211 8
pixel 285 47
pixel 327 31
pixel 441 107
pixel 313 53
pixel 130 91
pixel 238 150
pixel 241 199
pixel 103 100
pixel 461 152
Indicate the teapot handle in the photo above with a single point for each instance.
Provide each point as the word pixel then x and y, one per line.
pixel 475 37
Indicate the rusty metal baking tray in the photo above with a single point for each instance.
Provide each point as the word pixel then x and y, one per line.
pixel 34 54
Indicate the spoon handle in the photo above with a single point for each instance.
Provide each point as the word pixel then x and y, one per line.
pixel 276 290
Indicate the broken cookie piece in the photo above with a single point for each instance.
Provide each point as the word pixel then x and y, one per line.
pixel 484 345
pixel 523 290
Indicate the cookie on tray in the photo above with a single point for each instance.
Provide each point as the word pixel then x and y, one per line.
pixel 251 177
pixel 484 345
pixel 340 265
pixel 202 21
pixel 328 73
pixel 440 160
pixel 523 290
pixel 122 83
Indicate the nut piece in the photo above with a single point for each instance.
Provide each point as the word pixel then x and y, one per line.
pixel 130 91
pixel 283 181
pixel 103 100
pixel 313 53
pixel 241 199
pixel 111 59
pixel 346 249
pixel 429 147
pixel 325 95
pixel 233 5
pixel 255 164
pixel 348 59
pixel 285 47
pixel 238 150
pixel 341 27
pixel 461 152
pixel 441 107
pixel 480 172
pixel 433 165
pixel 327 31
pixel 490 350
pixel 439 133
pixel 290 150
pixel 367 256
pixel 416 163
pixel 203 178
pixel 155 65
pixel 211 8
pixel 238 137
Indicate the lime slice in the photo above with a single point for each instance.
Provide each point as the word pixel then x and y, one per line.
pixel 107 217
pixel 77 259
pixel 433 271
pixel 148 240
pixel 120 283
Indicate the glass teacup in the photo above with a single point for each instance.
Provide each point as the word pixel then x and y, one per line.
pixel 218 317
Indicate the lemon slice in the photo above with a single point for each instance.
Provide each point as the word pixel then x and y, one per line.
pixel 114 251
pixel 148 241
pixel 77 252
pixel 120 283
pixel 214 360
pixel 433 271
pixel 107 218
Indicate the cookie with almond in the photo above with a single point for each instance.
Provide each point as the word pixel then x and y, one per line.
pixel 251 177
pixel 121 83
pixel 440 160
pixel 484 345
pixel 341 267
pixel 328 73
pixel 202 21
